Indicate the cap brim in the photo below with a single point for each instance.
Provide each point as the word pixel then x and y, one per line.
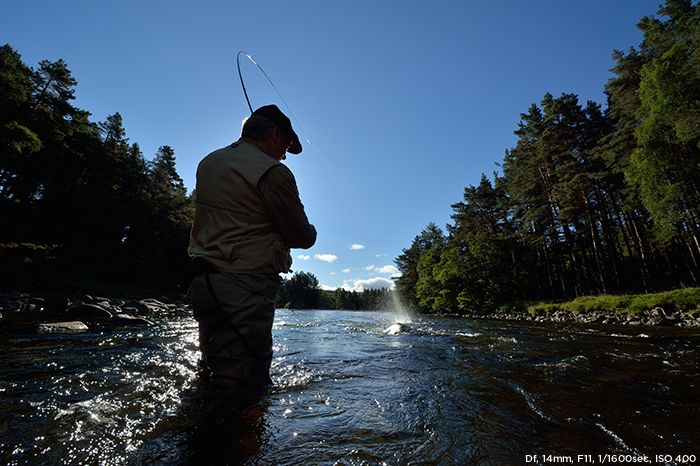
pixel 294 148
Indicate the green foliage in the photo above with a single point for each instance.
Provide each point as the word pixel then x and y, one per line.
pixel 301 291
pixel 19 139
pixel 430 295
pixel 415 274
pixel 664 165
pixel 367 300
pixel 686 299
pixel 348 300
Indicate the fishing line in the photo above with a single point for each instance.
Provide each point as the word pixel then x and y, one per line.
pixel 240 75
pixel 318 154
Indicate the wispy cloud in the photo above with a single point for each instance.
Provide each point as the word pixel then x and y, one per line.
pixel 357 246
pixel 369 267
pixel 346 270
pixel 326 257
pixel 303 257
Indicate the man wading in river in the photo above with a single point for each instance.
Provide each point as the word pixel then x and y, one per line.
pixel 248 216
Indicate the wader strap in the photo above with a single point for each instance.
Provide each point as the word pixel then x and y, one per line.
pixel 236 331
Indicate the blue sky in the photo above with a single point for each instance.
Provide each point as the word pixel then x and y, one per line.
pixel 400 105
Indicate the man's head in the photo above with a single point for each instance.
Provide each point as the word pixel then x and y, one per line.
pixel 262 124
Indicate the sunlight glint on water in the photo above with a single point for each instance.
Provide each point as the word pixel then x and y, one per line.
pixel 449 391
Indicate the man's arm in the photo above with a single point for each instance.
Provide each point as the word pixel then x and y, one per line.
pixel 279 190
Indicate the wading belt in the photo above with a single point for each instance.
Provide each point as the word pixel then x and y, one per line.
pixel 235 329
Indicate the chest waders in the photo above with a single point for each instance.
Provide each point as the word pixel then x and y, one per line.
pixel 224 319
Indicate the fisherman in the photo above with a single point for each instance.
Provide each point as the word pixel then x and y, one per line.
pixel 248 216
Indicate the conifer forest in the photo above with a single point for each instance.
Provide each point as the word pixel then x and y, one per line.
pixel 78 191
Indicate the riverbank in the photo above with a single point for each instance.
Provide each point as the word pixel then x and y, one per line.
pixel 78 312
pixel 57 312
pixel 680 308
pixel 655 317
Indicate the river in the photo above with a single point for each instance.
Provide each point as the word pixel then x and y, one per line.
pixel 448 392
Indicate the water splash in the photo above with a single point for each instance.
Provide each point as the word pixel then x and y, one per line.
pixel 394 305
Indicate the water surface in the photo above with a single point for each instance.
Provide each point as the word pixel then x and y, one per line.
pixel 450 392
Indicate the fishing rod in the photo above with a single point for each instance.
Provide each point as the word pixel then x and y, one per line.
pixel 318 154
pixel 240 76
pixel 245 91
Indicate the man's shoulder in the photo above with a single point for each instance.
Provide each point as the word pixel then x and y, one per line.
pixel 218 153
pixel 239 151
pixel 279 173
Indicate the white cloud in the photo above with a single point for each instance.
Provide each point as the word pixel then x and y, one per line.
pixel 387 269
pixel 373 283
pixel 357 246
pixel 346 270
pixel 303 257
pixel 326 257
pixel 328 288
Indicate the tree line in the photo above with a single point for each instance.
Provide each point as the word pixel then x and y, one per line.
pixel 303 291
pixel 589 201
pixel 81 187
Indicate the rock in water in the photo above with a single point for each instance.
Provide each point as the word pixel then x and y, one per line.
pixel 88 311
pixel 62 327
pixel 397 328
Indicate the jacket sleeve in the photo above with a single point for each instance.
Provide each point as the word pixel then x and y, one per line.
pixel 279 190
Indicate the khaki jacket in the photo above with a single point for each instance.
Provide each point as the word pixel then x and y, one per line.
pixel 232 229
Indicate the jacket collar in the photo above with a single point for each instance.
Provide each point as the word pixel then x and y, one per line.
pixel 250 141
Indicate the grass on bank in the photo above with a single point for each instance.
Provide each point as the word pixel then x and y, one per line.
pixel 682 300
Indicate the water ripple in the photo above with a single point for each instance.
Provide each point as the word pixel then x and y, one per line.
pixel 447 391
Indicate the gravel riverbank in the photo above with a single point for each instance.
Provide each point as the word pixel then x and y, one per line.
pixel 77 312
pixel 655 317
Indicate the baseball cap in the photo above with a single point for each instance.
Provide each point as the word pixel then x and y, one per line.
pixel 274 114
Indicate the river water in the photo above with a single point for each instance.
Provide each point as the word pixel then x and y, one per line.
pixel 449 392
